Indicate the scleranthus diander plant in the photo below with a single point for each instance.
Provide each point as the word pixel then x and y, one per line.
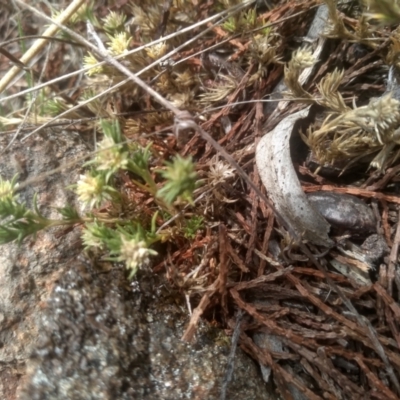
pixel 127 238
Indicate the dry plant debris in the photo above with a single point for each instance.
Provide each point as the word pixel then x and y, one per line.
pixel 225 249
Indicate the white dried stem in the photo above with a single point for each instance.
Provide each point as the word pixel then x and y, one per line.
pixel 40 43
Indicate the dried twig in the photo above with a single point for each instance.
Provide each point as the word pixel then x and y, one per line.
pixel 40 43
pixel 231 358
pixel 393 257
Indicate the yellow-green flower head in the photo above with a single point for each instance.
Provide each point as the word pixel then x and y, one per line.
pixel 89 239
pixel 303 58
pixel 92 190
pixel 157 50
pixel 110 156
pixel 90 61
pixel 119 43
pixel 7 189
pixel 113 21
pixel 134 253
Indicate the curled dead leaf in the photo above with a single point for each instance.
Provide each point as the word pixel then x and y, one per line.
pixel 283 187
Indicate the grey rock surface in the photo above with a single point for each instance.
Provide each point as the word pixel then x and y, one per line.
pixel 104 337
pixel 92 343
pixel 28 271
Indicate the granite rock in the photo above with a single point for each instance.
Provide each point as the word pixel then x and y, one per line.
pixel 104 337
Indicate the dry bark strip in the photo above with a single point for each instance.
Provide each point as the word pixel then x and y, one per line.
pixel 282 184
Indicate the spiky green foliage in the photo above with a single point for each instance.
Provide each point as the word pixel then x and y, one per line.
pixel 384 11
pixel 180 176
pixel 129 243
pixel 17 221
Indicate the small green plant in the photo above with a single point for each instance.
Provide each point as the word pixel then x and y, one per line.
pixel 129 243
pixel 180 180
pixel 18 221
pixel 114 22
pixel 244 21
pixel 192 225
pixel 122 239
pixel 301 59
